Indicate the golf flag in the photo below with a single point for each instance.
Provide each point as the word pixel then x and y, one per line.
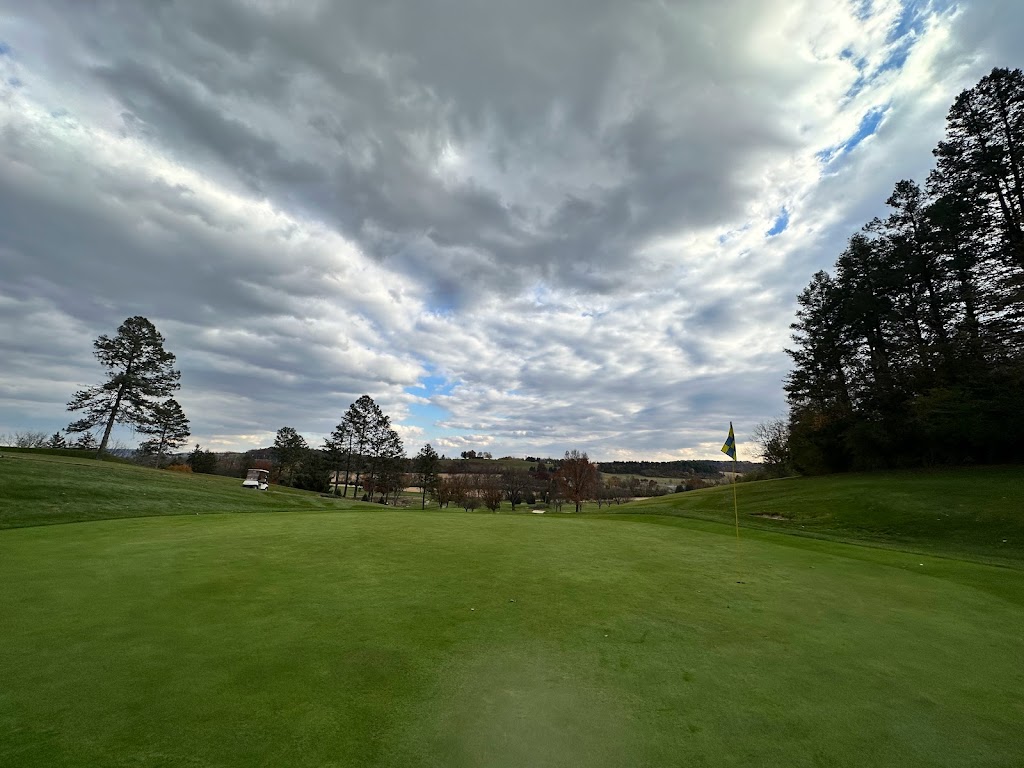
pixel 729 449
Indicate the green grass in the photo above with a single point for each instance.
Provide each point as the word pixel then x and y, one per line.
pixel 975 512
pixel 361 636
pixel 41 489
pixel 75 453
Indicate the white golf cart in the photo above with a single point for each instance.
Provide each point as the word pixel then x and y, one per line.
pixel 257 478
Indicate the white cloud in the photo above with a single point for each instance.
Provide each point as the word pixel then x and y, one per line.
pixel 556 213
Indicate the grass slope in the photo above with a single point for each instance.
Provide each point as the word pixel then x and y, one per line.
pixel 40 489
pixel 975 512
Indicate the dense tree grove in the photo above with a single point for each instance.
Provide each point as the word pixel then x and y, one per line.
pixel 364 444
pixel 910 353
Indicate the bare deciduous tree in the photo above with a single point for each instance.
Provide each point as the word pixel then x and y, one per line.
pixel 577 477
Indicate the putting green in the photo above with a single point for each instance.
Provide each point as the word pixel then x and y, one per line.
pixel 439 639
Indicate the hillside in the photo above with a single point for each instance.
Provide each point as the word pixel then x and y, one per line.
pixel 42 489
pixel 975 512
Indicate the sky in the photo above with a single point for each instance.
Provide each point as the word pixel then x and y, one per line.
pixel 522 228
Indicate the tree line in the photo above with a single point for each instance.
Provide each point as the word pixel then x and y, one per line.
pixel 363 453
pixel 909 353
pixel 366 456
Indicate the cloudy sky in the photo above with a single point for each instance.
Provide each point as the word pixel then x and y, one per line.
pixel 521 227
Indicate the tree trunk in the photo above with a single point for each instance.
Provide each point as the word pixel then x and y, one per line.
pixel 110 420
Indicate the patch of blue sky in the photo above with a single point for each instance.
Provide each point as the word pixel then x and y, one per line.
pixel 425 415
pixel 431 384
pixel 861 64
pixel 825 156
pixel 857 87
pixel 14 82
pixel 862 9
pixel 909 28
pixel 428 414
pixel 780 225
pixel 897 56
pixel 868 126
pixel 5 49
pixel 910 21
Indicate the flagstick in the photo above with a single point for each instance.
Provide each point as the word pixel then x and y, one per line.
pixel 735 503
pixel 735 510
pixel 729 449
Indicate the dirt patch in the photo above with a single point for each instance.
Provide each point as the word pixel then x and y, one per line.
pixel 769 515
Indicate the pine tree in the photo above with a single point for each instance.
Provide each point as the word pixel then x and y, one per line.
pixel 169 427
pixel 425 466
pixel 139 373
pixel 289 450
pixel 201 461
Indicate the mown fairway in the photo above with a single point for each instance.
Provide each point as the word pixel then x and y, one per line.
pixel 312 638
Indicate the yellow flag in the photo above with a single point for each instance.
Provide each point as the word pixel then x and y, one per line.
pixel 729 448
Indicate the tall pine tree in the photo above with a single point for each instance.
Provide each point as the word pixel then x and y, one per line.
pixel 140 373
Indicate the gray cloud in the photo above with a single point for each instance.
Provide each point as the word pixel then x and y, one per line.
pixel 554 215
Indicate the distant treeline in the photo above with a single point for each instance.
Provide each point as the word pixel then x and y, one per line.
pixel 910 353
pixel 699 467
pixel 235 465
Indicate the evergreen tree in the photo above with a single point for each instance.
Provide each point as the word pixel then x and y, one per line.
pixel 425 466
pixel 912 352
pixel 139 372
pixel 204 462
pixel 357 427
pixel 289 450
pixel 313 472
pixel 169 427
pixel 983 154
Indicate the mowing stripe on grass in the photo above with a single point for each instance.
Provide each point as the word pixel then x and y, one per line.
pixel 413 639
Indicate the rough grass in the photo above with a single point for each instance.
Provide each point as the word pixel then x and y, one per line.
pixel 402 638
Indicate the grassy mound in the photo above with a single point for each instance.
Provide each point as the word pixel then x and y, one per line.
pixel 41 489
pixel 973 512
